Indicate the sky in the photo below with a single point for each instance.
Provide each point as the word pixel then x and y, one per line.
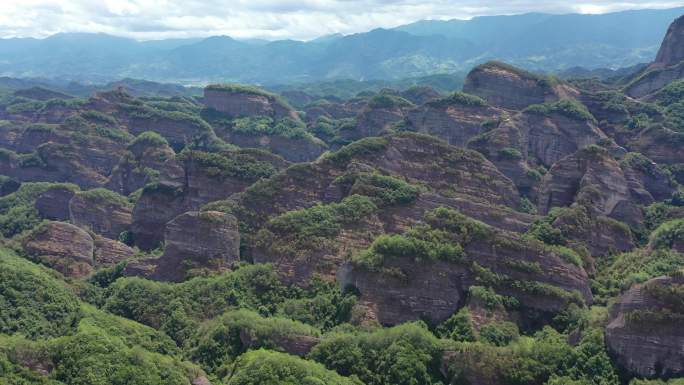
pixel 265 19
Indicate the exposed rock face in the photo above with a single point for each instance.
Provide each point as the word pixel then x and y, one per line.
pixel 193 240
pixel 8 186
pixel 178 130
pixel 508 87
pixel 645 334
pixel 206 179
pixel 110 252
pixel 374 122
pixel 521 144
pixel 550 138
pixel 456 123
pixel 420 94
pixel 600 234
pixel 238 103
pixel 54 203
pixel 292 149
pixel 142 165
pixel 653 79
pixel 672 49
pixel 330 110
pixel 406 289
pixel 667 67
pixel 100 215
pixel 596 179
pixel 62 246
pixel 298 345
pixel 660 144
pixel 448 170
pixel 433 291
pixel 85 163
pixel 158 204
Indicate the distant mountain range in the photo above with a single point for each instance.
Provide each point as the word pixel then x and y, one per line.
pixel 540 42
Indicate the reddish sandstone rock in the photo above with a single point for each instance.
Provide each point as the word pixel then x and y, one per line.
pixel 62 246
pixel 505 86
pixel 53 204
pixel 239 101
pixel 455 119
pixel 644 333
pixel 672 49
pixel 101 211
pixel 110 252
pixel 193 240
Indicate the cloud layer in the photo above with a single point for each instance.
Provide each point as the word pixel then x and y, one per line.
pixel 268 19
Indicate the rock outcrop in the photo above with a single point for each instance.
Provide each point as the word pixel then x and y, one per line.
pixel 53 204
pixel 456 118
pixel 667 67
pixel 62 246
pixel 145 162
pixel 101 211
pixel 237 101
pixel 299 149
pixel 608 187
pixel 504 86
pixel 406 288
pixel 653 79
pixel 158 204
pixel 207 177
pixel 660 144
pixel 644 333
pixel 672 49
pixel 110 252
pixel 520 145
pixel 193 241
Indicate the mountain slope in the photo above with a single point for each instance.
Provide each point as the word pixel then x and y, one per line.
pixel 535 41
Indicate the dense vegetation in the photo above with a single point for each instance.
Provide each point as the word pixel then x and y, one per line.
pixel 390 260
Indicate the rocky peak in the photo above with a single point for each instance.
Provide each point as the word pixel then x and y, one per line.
pixel 672 49
pixel 509 87
pixel 239 101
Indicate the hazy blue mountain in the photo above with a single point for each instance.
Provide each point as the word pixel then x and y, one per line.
pixel 536 41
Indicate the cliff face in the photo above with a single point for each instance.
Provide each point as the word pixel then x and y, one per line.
pixel 672 49
pixel 53 204
pixel 653 79
pixel 65 247
pixel 239 102
pixel 449 171
pixel 456 123
pixel 206 178
pixel 416 159
pixel 103 216
pixel 667 66
pixel 601 188
pixel 507 87
pixel 660 144
pixel 523 143
pixel 407 288
pixel 374 122
pixel 644 333
pixel 193 241
pixel 142 165
pixel 303 149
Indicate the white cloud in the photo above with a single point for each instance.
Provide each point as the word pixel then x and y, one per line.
pixel 270 19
